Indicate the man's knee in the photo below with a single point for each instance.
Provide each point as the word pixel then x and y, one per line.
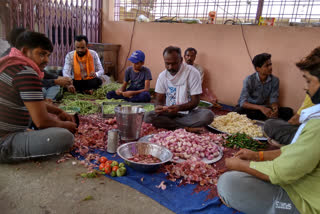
pixel 111 94
pixel 149 117
pixel 268 127
pixel 229 184
pixel 206 116
pixel 65 137
pixel 146 96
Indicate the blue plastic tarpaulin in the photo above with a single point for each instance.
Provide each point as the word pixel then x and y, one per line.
pixel 178 198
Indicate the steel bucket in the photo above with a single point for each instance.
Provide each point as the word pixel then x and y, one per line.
pixel 129 121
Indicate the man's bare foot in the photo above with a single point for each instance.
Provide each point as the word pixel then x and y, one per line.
pixel 90 92
pixel 216 105
pixel 197 130
pixel 49 101
pixel 274 143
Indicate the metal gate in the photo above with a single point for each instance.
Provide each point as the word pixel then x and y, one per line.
pixel 60 20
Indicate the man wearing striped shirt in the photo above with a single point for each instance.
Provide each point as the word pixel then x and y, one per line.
pixel 21 98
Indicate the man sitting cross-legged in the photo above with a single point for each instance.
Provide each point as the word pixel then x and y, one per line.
pixel 178 90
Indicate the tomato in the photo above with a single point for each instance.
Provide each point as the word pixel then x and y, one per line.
pixel 115 168
pixel 103 159
pixel 107 169
pixel 101 166
pixel 107 165
pixel 110 161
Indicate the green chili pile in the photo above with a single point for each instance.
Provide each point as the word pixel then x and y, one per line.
pixel 242 140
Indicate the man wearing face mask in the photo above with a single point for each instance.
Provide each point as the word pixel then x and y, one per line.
pixel 286 180
pixel 84 67
pixel 178 90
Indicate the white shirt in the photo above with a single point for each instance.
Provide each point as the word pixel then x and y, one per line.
pixel 200 69
pixel 68 64
pixel 179 88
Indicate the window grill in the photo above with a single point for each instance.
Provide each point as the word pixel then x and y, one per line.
pixel 285 12
pixel 60 20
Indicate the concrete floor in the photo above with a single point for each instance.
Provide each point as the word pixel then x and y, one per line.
pixel 48 188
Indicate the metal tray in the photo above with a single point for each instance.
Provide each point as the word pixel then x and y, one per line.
pixel 119 104
pixel 258 122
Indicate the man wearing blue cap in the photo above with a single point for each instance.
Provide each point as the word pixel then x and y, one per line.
pixel 139 77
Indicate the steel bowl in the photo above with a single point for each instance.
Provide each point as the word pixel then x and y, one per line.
pixel 128 150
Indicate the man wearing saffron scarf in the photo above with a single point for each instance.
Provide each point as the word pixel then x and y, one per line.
pixel 83 66
pixel 21 98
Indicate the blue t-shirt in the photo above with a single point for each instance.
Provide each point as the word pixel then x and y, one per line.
pixel 137 79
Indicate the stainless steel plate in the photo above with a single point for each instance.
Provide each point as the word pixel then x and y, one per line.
pixel 180 160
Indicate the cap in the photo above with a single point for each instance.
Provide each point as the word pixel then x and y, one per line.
pixel 137 56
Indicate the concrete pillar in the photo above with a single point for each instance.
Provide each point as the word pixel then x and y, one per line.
pixel 108 10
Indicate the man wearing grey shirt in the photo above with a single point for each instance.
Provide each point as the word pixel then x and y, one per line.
pixel 260 92
pixel 84 67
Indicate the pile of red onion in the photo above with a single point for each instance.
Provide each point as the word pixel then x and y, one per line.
pixel 192 171
pixel 186 145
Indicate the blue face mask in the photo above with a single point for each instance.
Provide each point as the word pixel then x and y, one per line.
pixel 316 97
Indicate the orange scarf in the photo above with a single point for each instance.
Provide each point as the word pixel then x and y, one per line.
pixel 86 60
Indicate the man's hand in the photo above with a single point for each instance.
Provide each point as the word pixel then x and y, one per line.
pixel 127 94
pixel 214 101
pixel 119 92
pixel 233 163
pixel 63 81
pixel 160 109
pixel 266 111
pixel 246 154
pixel 71 89
pixel 71 126
pixel 173 109
pixel 93 74
pixel 64 116
pixel 275 110
pixel 274 114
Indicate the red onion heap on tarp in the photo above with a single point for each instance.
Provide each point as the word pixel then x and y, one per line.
pixel 186 145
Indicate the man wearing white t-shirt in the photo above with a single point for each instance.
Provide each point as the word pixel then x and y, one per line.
pixel 178 90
